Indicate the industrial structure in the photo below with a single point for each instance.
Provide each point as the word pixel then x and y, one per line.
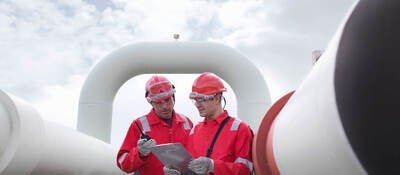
pixel 343 119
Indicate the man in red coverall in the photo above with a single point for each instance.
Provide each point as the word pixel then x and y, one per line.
pixel 231 153
pixel 162 124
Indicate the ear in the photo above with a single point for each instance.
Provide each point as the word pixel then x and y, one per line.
pixel 218 97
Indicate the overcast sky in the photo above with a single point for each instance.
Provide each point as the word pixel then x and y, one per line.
pixel 48 47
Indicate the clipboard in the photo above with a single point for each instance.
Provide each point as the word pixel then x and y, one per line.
pixel 174 155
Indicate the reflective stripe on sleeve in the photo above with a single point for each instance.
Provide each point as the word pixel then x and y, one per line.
pixel 145 124
pixel 235 125
pixel 186 125
pixel 191 131
pixel 246 162
pixel 122 158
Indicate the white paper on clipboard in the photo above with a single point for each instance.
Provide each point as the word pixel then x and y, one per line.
pixel 174 155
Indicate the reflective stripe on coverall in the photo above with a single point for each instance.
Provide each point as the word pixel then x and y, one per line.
pixel 128 156
pixel 232 150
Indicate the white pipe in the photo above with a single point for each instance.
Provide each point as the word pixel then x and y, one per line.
pixel 308 136
pixel 5 128
pixel 29 145
pixel 309 128
pixel 103 82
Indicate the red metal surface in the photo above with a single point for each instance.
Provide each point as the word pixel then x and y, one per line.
pixel 263 157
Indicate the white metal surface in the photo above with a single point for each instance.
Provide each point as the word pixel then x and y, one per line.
pixel 103 82
pixel 5 128
pixel 29 145
pixel 308 134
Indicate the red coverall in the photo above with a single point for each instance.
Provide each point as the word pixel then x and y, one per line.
pixel 232 150
pixel 128 158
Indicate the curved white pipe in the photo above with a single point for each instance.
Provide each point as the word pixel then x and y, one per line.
pixel 29 145
pixel 5 128
pixel 103 82
pixel 308 136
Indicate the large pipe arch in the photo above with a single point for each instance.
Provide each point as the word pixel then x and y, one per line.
pixel 105 79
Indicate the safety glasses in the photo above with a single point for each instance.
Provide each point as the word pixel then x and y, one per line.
pixel 203 99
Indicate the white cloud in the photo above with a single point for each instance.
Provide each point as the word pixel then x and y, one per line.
pixel 246 21
pixel 48 47
pixel 60 103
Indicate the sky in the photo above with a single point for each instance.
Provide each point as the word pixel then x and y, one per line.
pixel 48 47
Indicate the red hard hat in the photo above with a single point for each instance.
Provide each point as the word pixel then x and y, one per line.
pixel 206 85
pixel 158 88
